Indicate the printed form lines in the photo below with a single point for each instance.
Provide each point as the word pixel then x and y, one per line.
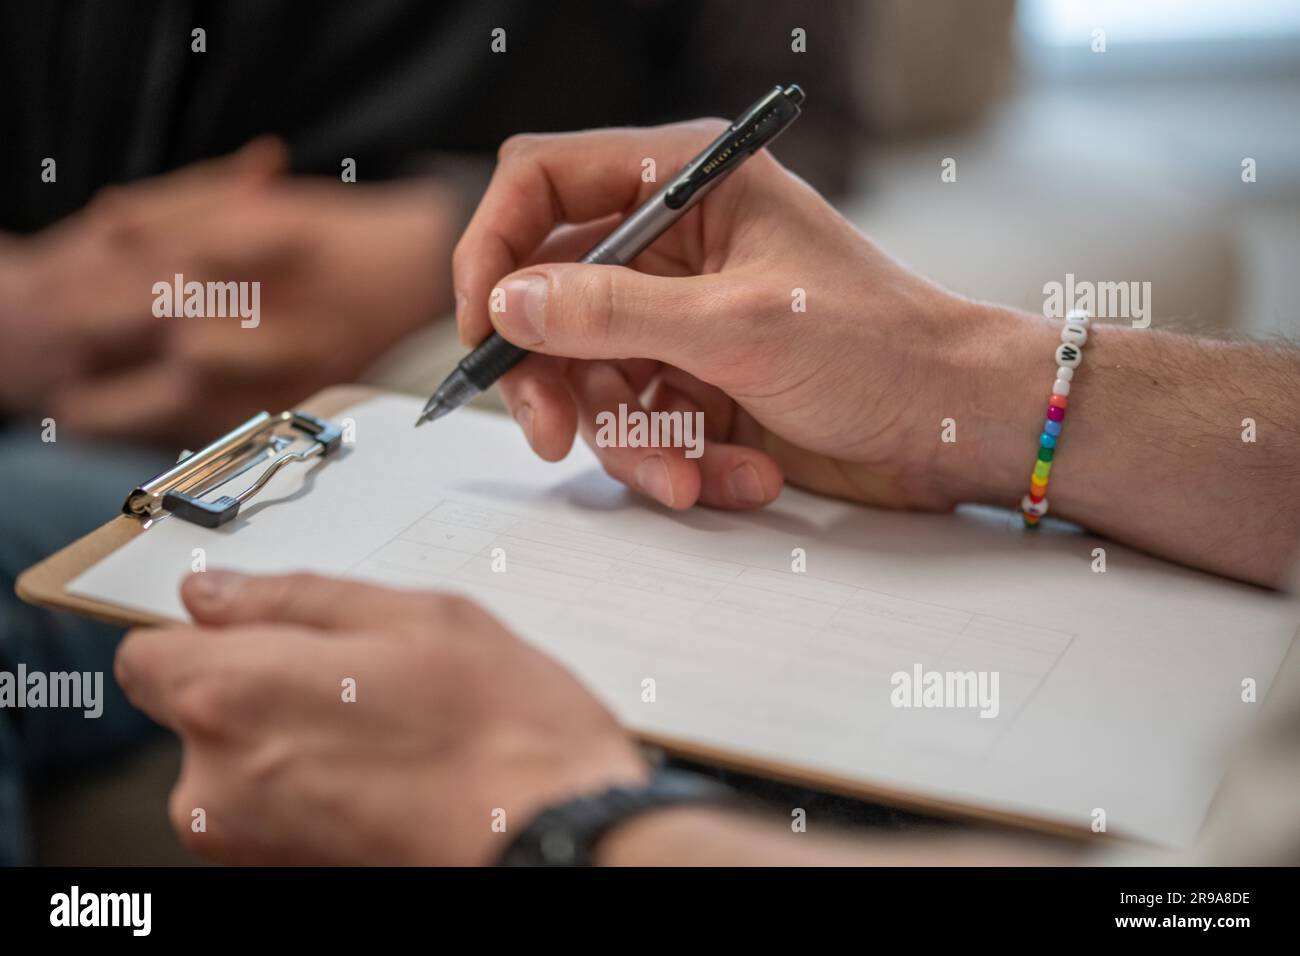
pixel 774 625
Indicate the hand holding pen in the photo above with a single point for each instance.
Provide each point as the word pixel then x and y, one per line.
pixel 813 356
pixel 760 125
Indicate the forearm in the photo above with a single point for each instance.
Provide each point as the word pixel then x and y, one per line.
pixel 708 837
pixel 1157 449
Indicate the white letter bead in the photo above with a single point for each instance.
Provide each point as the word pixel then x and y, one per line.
pixel 1068 355
pixel 1074 333
pixel 1078 317
pixel 1033 507
pixel 1065 374
pixel 1060 387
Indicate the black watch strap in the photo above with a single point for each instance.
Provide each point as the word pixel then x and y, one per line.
pixel 566 834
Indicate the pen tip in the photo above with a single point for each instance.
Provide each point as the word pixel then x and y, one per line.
pixel 432 413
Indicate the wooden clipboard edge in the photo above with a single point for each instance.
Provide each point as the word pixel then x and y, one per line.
pixel 45 583
pixel 860 789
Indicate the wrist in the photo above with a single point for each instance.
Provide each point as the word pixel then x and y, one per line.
pixel 574 831
pixel 999 373
pixel 669 836
pixel 575 774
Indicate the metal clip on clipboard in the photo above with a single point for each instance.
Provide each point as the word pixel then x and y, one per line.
pixel 180 489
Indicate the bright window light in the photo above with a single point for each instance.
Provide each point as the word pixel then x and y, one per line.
pixel 1071 22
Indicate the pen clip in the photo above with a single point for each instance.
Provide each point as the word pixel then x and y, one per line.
pixel 758 127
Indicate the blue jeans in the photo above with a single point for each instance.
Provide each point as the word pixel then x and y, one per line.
pixel 50 494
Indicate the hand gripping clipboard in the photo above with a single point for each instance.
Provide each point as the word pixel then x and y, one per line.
pixel 233 461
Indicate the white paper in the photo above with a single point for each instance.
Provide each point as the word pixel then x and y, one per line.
pixel 1119 691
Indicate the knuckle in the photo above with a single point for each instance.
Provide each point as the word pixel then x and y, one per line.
pixel 454 611
pixel 271 761
pixel 297 582
pixel 516 145
pixel 291 595
pixel 203 708
pixel 592 305
pixel 181 804
pixel 740 300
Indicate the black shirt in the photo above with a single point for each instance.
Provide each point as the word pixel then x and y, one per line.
pixel 112 90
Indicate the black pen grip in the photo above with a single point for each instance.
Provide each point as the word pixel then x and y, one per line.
pixel 491 360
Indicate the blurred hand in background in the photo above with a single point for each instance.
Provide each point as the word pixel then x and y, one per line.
pixel 345 271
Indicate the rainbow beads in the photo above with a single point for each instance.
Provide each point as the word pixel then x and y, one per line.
pixel 1069 355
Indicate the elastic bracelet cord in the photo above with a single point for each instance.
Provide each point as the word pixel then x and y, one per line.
pixel 1069 354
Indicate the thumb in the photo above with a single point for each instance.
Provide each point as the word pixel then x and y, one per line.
pixel 225 598
pixel 609 312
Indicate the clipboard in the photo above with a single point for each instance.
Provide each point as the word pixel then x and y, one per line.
pixel 45 584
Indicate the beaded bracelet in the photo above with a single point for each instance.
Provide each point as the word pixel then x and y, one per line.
pixel 1068 356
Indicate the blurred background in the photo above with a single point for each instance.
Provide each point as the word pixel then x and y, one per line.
pixel 1123 164
pixel 1102 138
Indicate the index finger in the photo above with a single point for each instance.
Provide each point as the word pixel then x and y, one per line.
pixel 545 180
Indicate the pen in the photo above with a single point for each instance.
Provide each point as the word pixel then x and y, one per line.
pixel 758 127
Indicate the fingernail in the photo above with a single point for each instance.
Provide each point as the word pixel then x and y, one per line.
pixel 524 416
pixel 213 587
pixel 522 310
pixel 746 487
pixel 652 478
